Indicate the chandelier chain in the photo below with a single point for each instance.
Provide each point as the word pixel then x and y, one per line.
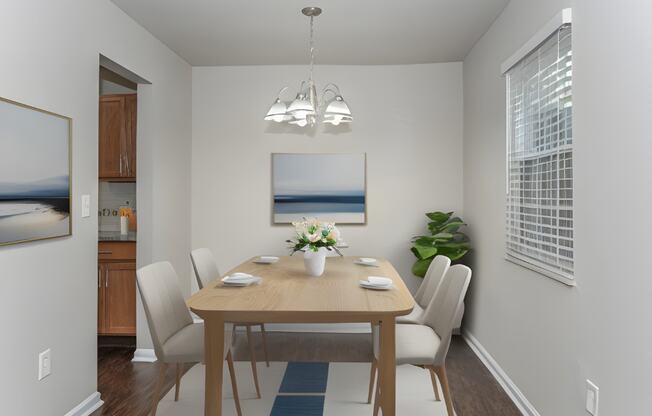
pixel 312 46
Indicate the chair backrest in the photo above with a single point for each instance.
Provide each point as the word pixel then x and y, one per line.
pixel 163 301
pixel 445 305
pixel 205 266
pixel 431 281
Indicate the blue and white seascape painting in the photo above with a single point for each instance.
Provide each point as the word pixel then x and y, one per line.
pixel 330 187
pixel 34 174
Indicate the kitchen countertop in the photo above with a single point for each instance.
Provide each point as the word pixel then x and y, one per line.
pixel 116 236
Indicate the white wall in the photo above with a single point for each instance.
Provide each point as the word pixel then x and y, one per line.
pixel 408 119
pixel 48 290
pixel 548 337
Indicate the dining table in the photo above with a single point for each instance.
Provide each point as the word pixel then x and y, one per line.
pixel 287 294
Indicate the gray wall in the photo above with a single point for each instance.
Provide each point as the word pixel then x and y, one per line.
pixel 548 337
pixel 48 290
pixel 408 119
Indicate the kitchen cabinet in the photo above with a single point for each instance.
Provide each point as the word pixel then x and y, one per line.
pixel 117 289
pixel 117 137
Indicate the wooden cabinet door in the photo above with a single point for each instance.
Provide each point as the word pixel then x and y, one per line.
pixel 120 298
pixel 112 136
pixel 101 318
pixel 130 142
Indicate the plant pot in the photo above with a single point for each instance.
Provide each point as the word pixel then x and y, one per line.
pixel 315 261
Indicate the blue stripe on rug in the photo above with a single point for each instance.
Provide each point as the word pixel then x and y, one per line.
pixel 298 406
pixel 305 378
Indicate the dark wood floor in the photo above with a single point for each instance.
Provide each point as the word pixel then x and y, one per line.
pixel 126 387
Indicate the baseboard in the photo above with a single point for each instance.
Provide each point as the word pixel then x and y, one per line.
pixel 351 328
pixel 88 406
pixel 144 355
pixel 514 393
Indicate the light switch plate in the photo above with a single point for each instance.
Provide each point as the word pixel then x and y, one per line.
pixel 44 364
pixel 592 396
pixel 85 206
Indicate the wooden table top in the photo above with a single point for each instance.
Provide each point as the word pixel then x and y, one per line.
pixel 288 294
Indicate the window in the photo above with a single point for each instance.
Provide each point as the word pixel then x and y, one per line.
pixel 540 158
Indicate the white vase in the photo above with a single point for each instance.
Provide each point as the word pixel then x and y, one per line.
pixel 315 261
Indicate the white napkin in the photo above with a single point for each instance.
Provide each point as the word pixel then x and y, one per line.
pixel 379 281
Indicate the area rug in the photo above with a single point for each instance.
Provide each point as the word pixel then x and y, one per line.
pixel 305 389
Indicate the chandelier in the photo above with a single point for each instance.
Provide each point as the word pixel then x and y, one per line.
pixel 306 109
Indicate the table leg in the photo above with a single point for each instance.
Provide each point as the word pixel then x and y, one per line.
pixel 214 358
pixel 387 366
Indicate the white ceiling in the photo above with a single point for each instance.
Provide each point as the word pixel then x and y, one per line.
pixel 257 32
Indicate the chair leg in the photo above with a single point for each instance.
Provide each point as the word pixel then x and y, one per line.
pixel 235 327
pixel 372 379
pixel 262 331
pixel 433 378
pixel 234 384
pixel 252 357
pixel 443 378
pixel 177 385
pixel 377 398
pixel 159 386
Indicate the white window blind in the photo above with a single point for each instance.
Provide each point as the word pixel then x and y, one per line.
pixel 540 158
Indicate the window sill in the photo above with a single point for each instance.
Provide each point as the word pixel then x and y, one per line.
pixel 566 280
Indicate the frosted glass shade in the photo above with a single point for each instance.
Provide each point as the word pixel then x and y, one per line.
pixel 337 107
pixel 337 119
pixel 278 112
pixel 300 108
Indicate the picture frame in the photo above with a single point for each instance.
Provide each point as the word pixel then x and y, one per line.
pixel 35 174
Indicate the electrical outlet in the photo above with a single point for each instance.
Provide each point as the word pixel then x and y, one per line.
pixel 44 364
pixel 592 396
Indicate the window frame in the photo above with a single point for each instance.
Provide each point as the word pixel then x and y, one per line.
pixel 563 18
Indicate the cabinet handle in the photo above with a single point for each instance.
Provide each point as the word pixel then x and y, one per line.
pixel 120 164
pixel 104 252
pixel 99 278
pixel 106 279
pixel 127 162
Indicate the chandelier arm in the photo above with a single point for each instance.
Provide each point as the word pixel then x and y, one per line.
pixel 281 91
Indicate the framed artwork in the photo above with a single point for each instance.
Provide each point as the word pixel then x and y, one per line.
pixel 330 187
pixel 35 171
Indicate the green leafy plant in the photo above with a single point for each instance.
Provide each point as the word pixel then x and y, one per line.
pixel 445 239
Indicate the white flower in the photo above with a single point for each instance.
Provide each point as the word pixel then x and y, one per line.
pixel 314 237
pixel 334 234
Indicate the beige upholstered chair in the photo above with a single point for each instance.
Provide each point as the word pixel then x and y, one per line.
pixel 206 271
pixel 177 339
pixel 431 281
pixel 426 345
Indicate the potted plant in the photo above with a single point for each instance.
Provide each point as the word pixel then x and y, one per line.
pixel 445 239
pixel 314 238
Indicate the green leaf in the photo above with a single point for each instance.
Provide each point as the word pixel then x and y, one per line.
pixel 452 226
pixel 415 252
pixel 443 236
pixel 439 217
pixel 420 267
pixel 424 241
pixel 425 252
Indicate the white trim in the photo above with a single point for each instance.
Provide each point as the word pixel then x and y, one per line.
pixel 517 396
pixel 564 17
pixel 144 355
pixel 565 279
pixel 88 406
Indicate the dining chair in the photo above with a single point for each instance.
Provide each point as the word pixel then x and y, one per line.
pixel 206 271
pixel 431 281
pixel 177 339
pixel 426 345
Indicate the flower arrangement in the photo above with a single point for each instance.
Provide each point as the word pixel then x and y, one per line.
pixel 311 234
